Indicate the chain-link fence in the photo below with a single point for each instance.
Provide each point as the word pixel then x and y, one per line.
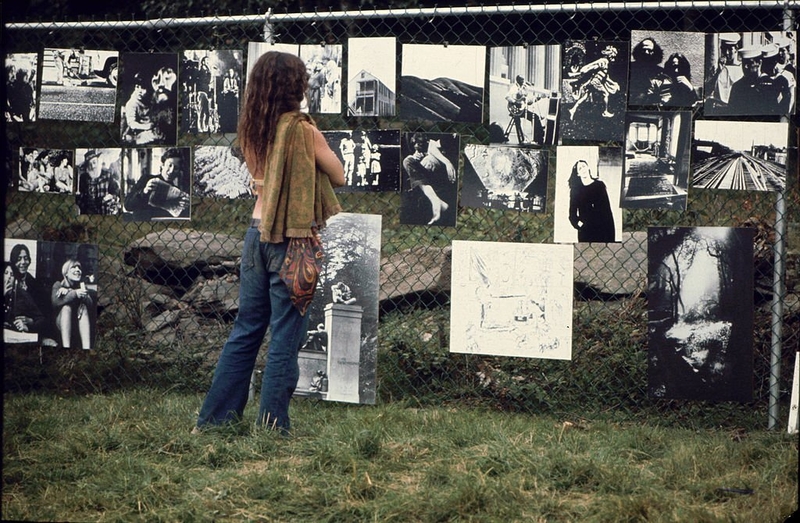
pixel 608 370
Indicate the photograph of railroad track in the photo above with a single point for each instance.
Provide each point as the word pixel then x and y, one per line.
pixel 744 156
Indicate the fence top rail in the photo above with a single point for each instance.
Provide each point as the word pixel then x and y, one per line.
pixel 432 12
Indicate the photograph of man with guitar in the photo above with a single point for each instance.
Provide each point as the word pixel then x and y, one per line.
pixel 524 96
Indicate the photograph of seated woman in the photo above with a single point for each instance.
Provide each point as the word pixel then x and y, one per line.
pixel 429 170
pixel 589 206
pixel 20 312
pixel 25 294
pixel 73 306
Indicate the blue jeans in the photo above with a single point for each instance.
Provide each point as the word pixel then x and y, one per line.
pixel 263 303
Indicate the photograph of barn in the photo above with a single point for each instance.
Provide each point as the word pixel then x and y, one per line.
pixel 371 88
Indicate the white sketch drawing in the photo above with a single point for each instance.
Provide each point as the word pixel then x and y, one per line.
pixel 511 299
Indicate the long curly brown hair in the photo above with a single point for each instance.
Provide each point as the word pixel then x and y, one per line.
pixel 277 84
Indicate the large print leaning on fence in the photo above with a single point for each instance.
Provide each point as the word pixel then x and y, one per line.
pixel 280 245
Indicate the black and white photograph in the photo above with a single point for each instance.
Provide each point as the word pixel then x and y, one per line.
pixel 667 69
pixel 157 184
pixel 211 85
pixel 657 161
pixel 148 85
pixel 50 293
pixel 256 49
pixel 324 66
pixel 745 156
pixel 21 86
pixel 511 299
pixel 588 180
pixel 524 94
pixel 99 181
pixel 429 186
pixel 79 84
pixel 46 170
pixel 372 81
pixel 700 313
pixel 371 159
pixel 504 177
pixel 220 172
pixel 25 298
pixel 594 86
pixel 69 271
pixel 338 360
pixel 751 74
pixel 442 83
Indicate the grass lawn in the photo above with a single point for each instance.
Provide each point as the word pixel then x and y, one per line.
pixel 129 456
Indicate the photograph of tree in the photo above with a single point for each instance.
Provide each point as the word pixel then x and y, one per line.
pixel 211 84
pixel 372 85
pixel 220 172
pixel 324 66
pixel 594 85
pixel 338 360
pixel 751 73
pixel 429 187
pixel 50 293
pixel 700 313
pixel 99 181
pixel 371 159
pixel 667 69
pixel 78 84
pixel 46 170
pixel 509 178
pixel 747 156
pixel 149 91
pixel 656 159
pixel 524 94
pixel 588 180
pixel 157 184
pixel 21 83
pixel 511 299
pixel 442 83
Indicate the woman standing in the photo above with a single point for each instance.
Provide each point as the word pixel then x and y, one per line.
pixel 294 171
pixel 589 207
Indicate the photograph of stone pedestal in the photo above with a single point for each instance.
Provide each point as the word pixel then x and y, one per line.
pixel 338 360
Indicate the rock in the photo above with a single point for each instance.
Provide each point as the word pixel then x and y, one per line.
pixel 163 320
pixel 421 269
pixel 176 257
pixel 21 230
pixel 612 269
pixel 216 297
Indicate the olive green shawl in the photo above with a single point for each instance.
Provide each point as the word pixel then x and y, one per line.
pixel 295 194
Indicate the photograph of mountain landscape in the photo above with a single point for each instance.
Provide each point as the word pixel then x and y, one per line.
pixel 442 83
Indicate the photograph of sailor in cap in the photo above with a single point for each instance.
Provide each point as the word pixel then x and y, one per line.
pixel 723 68
pixel 758 85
